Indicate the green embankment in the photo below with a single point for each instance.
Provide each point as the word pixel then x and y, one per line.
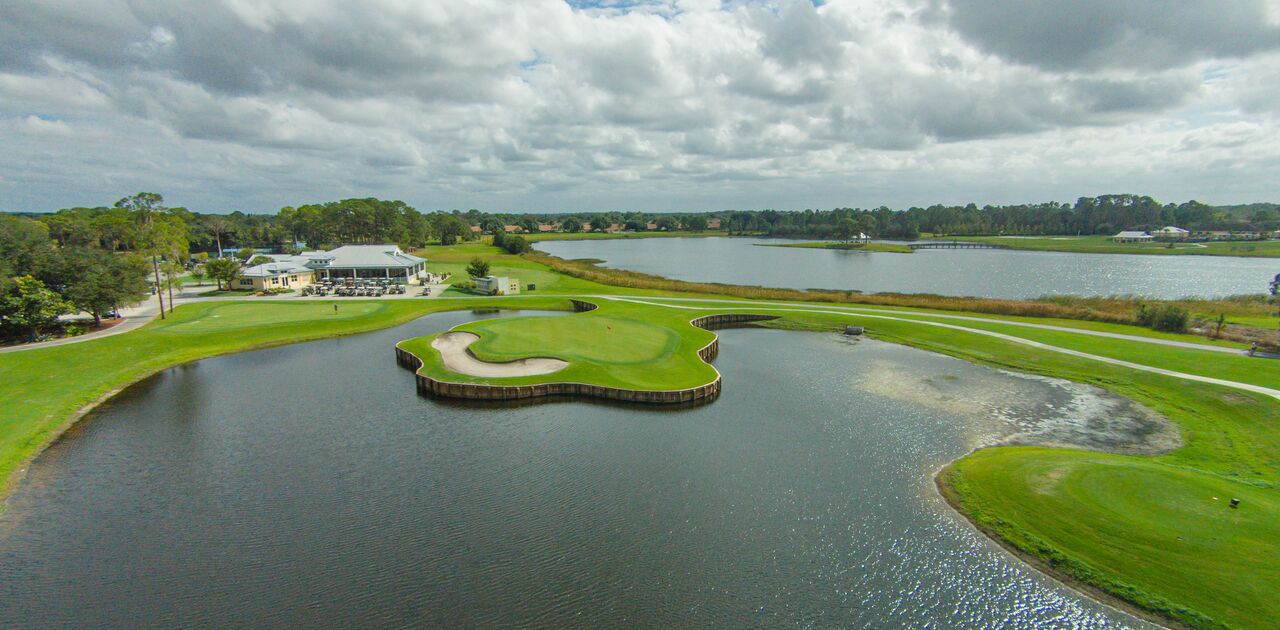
pixel 1156 532
pixel 593 236
pixel 42 390
pixel 873 246
pixel 1099 244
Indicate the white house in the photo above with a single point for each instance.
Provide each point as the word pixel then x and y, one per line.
pixel 1172 233
pixel 1132 236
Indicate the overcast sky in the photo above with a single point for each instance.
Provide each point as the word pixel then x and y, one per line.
pixel 540 105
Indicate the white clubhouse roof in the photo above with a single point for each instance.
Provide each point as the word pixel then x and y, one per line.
pixel 1172 229
pixel 371 257
pixel 1132 234
pixel 345 257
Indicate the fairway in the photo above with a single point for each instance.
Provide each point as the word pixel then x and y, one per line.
pixel 226 317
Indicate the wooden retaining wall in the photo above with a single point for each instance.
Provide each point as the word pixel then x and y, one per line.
pixel 428 386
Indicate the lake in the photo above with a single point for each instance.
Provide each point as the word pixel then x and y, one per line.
pixel 309 485
pixel 999 273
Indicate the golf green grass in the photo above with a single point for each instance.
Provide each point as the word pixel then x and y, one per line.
pixel 1100 244
pixel 873 246
pixel 620 345
pixel 1147 530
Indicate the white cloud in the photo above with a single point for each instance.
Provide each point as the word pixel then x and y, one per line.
pixel 681 105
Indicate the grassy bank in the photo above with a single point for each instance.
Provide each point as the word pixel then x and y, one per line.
pixel 46 389
pixel 1119 310
pixel 1145 529
pixel 594 236
pixel 872 246
pixel 1156 532
pixel 1098 244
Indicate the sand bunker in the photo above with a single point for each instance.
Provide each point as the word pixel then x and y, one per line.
pixel 457 358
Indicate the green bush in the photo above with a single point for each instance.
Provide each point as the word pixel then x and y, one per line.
pixel 1164 317
pixel 515 244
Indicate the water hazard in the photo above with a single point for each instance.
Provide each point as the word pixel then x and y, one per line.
pixel 994 273
pixel 311 485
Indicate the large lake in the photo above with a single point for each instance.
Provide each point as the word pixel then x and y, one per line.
pixel 309 485
pixel 997 273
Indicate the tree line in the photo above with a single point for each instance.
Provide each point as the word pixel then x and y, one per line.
pixel 97 259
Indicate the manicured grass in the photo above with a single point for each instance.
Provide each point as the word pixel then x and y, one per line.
pixel 1100 244
pixel 1145 529
pixel 43 388
pixel 620 345
pixel 873 246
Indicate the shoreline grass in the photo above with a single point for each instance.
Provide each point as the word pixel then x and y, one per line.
pixel 593 236
pixel 872 246
pixel 1117 310
pixel 46 390
pixel 1101 244
pixel 1144 529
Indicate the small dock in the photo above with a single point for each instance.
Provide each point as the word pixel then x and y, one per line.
pixel 955 245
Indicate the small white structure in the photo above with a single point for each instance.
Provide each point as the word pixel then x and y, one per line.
pixel 495 285
pixel 1172 232
pixel 1133 236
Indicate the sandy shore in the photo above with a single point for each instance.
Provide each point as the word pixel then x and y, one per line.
pixel 453 349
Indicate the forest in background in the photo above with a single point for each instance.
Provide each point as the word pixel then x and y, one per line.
pixel 374 220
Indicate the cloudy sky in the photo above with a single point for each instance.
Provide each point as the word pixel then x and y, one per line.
pixel 542 105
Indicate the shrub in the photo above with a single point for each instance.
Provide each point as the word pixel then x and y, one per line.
pixel 515 245
pixel 478 268
pixel 1165 317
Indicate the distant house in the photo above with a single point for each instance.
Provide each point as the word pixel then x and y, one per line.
pixel 495 285
pixel 1132 236
pixel 512 229
pixel 547 227
pixel 1171 233
pixel 475 229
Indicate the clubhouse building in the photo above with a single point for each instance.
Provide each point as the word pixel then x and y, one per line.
pixel 358 262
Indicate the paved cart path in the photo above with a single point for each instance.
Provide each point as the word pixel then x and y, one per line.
pixel 1274 393
pixel 1094 333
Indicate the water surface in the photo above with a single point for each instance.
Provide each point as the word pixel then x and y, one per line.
pixel 998 273
pixel 310 485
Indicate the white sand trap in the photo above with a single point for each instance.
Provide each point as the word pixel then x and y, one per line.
pixel 453 348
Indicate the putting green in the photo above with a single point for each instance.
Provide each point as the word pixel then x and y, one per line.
pixel 617 345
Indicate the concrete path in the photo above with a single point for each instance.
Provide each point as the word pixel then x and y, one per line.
pixel 1274 393
pixel 1093 333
